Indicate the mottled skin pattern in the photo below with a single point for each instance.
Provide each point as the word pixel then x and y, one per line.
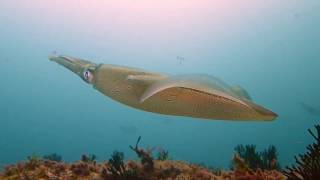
pixel 113 81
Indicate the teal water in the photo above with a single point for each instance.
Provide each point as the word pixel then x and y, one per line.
pixel 271 48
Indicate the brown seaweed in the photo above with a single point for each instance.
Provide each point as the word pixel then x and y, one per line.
pixel 308 164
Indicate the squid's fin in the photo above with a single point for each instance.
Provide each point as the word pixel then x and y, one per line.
pixel 145 78
pixel 242 93
pixel 202 83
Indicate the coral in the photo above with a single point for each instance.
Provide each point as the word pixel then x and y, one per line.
pixel 145 169
pixel 249 154
pixel 167 169
pixel 267 159
pixel 308 164
pixel 118 169
pixel 162 154
pixel 165 172
pixel 33 161
pixel 144 155
pixel 80 169
pixel 12 170
pixel 240 164
pixel 91 158
pixel 214 170
pixel 42 169
pixel 53 157
pixel 116 163
pixel 270 158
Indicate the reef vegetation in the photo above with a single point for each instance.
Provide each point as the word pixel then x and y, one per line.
pixel 247 165
pixel 308 164
pixel 53 157
pixel 267 159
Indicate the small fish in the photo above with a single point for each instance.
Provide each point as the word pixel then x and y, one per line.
pixel 129 129
pixel 310 109
pixel 181 59
pixel 296 15
pixel 5 60
pixel 299 142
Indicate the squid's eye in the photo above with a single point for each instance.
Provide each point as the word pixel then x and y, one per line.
pixel 87 75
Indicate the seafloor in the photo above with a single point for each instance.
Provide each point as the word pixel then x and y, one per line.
pixel 247 164
pixel 166 169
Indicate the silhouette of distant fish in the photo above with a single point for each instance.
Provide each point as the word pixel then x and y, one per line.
pixel 4 60
pixel 181 59
pixel 128 129
pixel 310 109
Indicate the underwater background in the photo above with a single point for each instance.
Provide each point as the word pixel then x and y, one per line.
pixel 271 48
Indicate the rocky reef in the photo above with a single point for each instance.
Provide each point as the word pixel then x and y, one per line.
pixel 146 168
pixel 247 164
pixel 131 170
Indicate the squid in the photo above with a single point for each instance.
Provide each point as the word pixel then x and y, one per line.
pixel 198 96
